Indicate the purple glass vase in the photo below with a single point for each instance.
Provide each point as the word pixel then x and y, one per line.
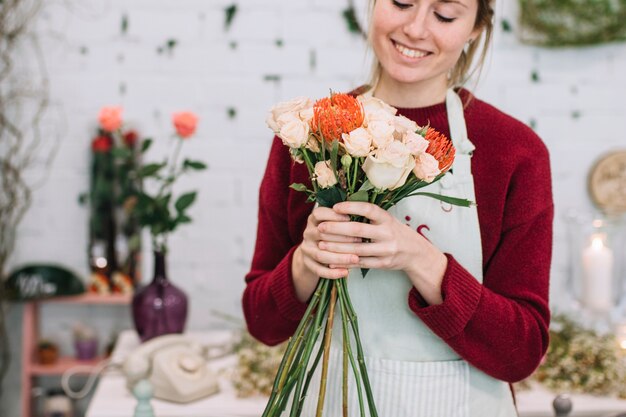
pixel 159 308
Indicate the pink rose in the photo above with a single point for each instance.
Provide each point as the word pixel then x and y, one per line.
pixel 185 123
pixel 110 118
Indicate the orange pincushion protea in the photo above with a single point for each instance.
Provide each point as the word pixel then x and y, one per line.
pixel 441 148
pixel 338 114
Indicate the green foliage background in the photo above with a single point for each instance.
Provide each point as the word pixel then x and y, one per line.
pixel 562 23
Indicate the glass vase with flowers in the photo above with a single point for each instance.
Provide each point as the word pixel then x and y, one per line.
pixel 160 307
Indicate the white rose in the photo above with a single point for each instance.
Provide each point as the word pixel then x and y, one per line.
pixel 426 167
pixel 294 133
pixel 293 107
pixel 381 132
pixel 379 116
pixel 306 114
pixel 358 142
pixel 403 125
pixel 313 144
pixel 324 174
pixel 415 142
pixel 373 105
pixel 389 168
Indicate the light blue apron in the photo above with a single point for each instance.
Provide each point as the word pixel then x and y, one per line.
pixel 412 371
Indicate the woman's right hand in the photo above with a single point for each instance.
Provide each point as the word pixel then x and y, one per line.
pixel 310 262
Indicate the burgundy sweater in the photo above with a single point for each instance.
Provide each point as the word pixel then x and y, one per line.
pixel 499 326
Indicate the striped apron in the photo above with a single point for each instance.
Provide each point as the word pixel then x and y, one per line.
pixel 412 371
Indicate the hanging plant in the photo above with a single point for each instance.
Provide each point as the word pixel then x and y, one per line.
pixel 559 23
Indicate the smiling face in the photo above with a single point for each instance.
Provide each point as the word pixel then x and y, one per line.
pixel 418 42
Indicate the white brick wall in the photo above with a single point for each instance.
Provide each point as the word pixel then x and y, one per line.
pixel 88 59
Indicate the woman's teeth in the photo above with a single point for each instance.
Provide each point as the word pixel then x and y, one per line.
pixel 411 53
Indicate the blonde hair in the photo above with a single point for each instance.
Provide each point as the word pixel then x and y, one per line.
pixel 462 70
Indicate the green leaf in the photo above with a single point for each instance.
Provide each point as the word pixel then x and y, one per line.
pixel 197 165
pixel 349 16
pixel 360 195
pixel 366 186
pixel 124 25
pixel 328 197
pixel 230 11
pixel 121 153
pixel 146 145
pixel 299 187
pixel 462 202
pixel 334 150
pixel 183 219
pixel 83 198
pixel 171 43
pixel 185 201
pixel 150 170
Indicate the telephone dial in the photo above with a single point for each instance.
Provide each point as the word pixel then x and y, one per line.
pixel 175 365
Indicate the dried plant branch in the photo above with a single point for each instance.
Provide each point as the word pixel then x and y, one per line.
pixel 23 105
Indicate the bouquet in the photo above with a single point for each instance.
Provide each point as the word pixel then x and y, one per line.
pixel 114 233
pixel 355 149
pixel 152 207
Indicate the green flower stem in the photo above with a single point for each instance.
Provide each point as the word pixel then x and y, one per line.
pixel 172 164
pixel 360 356
pixel 309 337
pixel 345 318
pixel 311 372
pixel 281 402
pixel 344 369
pixel 357 164
pixel 327 339
pixel 310 166
pixel 301 369
pixel 292 346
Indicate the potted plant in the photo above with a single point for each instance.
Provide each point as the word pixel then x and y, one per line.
pixel 85 342
pixel 47 352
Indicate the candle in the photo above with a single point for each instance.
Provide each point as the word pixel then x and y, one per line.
pixel 597 275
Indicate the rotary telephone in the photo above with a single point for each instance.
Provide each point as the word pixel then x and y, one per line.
pixel 175 365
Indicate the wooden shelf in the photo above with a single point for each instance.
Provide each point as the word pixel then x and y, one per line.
pixel 63 364
pixel 91 298
pixel 30 334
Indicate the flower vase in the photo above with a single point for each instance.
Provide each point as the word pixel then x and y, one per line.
pixel 86 349
pixel 160 307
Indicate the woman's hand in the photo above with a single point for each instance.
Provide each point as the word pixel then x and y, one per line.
pixel 384 243
pixel 310 261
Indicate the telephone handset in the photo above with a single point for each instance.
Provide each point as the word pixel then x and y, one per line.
pixel 175 366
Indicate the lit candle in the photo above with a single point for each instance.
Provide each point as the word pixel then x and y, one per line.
pixel 597 275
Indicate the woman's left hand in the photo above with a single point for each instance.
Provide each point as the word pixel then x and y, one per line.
pixel 388 244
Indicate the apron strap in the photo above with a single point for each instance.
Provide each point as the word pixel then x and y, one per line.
pixel 456 119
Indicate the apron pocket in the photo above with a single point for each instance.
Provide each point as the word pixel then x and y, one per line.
pixel 420 389
pixel 400 388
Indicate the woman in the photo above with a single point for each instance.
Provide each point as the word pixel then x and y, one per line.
pixel 455 305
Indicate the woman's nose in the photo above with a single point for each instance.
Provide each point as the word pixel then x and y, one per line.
pixel 416 26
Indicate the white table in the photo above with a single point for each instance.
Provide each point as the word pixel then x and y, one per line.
pixel 112 399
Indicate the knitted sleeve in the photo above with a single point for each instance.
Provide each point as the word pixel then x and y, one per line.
pixel 501 326
pixel 270 306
